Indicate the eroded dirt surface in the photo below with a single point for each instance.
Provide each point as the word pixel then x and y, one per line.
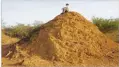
pixel 67 40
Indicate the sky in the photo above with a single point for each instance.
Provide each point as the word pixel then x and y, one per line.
pixel 27 11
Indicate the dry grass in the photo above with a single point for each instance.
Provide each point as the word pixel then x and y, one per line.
pixel 8 40
pixel 114 35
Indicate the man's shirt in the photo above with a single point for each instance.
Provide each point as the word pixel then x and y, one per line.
pixel 65 9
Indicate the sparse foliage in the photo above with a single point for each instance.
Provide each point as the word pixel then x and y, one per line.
pixel 106 25
pixel 21 31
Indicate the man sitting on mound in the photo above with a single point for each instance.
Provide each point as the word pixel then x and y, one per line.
pixel 65 9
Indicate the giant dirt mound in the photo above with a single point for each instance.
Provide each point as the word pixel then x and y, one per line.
pixel 71 40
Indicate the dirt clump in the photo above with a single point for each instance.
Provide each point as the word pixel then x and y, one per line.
pixel 71 40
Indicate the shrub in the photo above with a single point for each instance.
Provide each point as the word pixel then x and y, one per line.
pixel 21 31
pixel 106 25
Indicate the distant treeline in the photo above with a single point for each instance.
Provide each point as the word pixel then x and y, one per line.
pixel 21 31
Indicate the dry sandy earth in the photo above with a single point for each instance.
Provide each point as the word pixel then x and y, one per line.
pixel 67 40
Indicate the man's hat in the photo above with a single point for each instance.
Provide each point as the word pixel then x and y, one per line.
pixel 67 4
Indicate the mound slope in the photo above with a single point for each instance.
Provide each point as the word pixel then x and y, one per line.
pixel 70 39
